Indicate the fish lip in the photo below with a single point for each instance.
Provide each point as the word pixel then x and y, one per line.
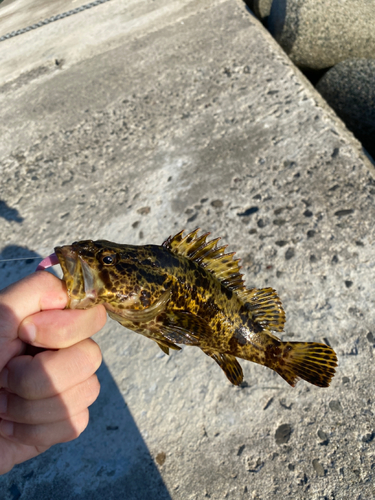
pixel 67 258
pixel 75 271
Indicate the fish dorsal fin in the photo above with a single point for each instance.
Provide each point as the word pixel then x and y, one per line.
pixel 265 307
pixel 209 256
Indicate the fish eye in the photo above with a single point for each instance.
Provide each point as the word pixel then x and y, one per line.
pixel 109 259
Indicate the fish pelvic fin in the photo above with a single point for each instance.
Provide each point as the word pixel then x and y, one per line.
pixel 309 361
pixel 265 307
pixel 229 365
pixel 165 345
pixel 209 256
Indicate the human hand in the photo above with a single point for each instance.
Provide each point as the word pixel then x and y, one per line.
pixel 44 398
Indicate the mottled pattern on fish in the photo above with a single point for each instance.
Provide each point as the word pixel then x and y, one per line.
pixel 188 291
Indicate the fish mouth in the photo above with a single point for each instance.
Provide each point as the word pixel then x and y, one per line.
pixel 78 276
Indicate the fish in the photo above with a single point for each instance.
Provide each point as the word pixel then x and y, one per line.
pixel 189 291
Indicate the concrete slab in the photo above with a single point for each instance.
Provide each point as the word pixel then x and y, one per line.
pixel 191 109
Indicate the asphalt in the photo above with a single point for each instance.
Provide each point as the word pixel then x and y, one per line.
pixel 130 121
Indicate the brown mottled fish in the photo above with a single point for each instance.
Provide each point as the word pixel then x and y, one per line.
pixel 188 291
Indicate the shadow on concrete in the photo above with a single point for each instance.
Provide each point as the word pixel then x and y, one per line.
pixel 8 213
pixel 109 460
pixel 14 270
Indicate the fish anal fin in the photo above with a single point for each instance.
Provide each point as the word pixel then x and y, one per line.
pixel 229 364
pixel 212 258
pixel 309 361
pixel 265 307
pixel 184 327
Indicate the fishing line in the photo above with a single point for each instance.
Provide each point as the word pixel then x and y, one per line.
pixel 21 258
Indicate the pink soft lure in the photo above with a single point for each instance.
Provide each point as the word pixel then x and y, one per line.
pixel 49 261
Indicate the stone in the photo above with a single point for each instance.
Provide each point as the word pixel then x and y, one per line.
pixel 283 433
pixel 348 88
pixel 261 8
pixel 318 34
pixel 335 405
pixel 318 467
pixel 323 437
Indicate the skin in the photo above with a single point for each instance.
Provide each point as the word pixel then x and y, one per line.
pixel 45 390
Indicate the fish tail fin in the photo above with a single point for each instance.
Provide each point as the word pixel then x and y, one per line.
pixel 310 361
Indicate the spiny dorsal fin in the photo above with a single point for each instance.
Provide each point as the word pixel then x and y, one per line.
pixel 265 307
pixel 223 266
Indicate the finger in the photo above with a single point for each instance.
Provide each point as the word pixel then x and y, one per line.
pixel 45 434
pixel 50 373
pixel 13 453
pixel 10 349
pixel 49 410
pixel 56 329
pixel 39 291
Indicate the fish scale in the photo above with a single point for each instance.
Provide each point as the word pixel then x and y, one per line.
pixel 189 291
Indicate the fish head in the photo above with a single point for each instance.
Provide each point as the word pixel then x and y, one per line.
pixel 118 276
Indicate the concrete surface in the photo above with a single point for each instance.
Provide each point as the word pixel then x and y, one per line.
pixel 190 108
pixel 317 34
pixel 349 87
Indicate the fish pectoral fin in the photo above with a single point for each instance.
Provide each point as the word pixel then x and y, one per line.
pixel 229 364
pixel 265 307
pixel 116 317
pixel 184 327
pixel 147 314
pixel 165 345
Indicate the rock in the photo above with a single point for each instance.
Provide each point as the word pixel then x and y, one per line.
pixel 283 433
pixel 160 458
pixel 323 437
pixel 289 253
pixel 348 88
pixel 335 405
pixel 319 35
pixel 318 467
pixel 261 8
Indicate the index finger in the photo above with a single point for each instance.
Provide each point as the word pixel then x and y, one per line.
pixel 38 292
pixel 59 329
